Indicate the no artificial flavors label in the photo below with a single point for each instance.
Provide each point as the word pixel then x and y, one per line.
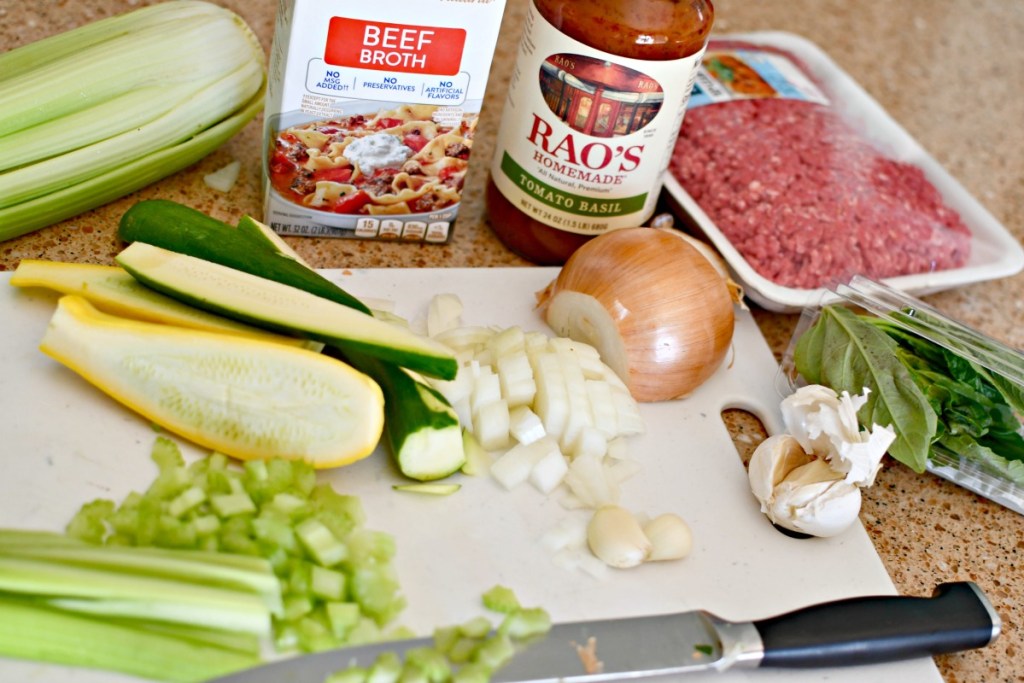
pixel 586 136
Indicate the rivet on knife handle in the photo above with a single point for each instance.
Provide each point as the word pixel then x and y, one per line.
pixel 868 630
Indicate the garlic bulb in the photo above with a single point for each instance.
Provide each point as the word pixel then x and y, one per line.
pixel 808 479
pixel 813 499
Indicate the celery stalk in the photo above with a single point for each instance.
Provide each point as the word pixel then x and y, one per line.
pixel 127 595
pixel 30 631
pixel 69 44
pixel 201 48
pixel 235 572
pixel 192 115
pixel 70 201
pixel 100 122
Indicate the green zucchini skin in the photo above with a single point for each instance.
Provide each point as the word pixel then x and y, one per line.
pixel 176 227
pixel 276 306
pixel 414 414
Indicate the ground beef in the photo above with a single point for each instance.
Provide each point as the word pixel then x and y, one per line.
pixel 457 150
pixel 807 200
pixel 304 182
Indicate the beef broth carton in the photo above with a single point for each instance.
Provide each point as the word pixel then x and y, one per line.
pixel 370 114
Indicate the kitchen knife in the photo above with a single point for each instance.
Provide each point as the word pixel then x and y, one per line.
pixel 862 630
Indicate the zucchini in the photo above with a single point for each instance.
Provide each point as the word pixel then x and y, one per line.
pixel 422 429
pixel 264 234
pixel 114 291
pixel 266 303
pixel 176 227
pixel 241 397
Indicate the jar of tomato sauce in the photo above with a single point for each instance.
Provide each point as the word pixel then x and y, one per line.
pixel 593 111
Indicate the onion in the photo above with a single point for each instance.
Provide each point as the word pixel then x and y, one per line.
pixel 660 314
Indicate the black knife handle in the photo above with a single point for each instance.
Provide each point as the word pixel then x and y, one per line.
pixel 880 629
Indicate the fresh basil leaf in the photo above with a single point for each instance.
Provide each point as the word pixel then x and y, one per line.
pixel 968 449
pixel 843 351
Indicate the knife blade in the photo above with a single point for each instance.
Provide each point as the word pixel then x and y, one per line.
pixel 861 630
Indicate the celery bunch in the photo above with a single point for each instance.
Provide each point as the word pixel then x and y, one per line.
pixel 102 110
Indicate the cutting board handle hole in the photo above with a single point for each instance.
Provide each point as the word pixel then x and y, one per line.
pixel 747 432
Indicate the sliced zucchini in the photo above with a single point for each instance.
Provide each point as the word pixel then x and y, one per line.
pixel 114 291
pixel 433 489
pixel 266 303
pixel 422 429
pixel 245 398
pixel 182 229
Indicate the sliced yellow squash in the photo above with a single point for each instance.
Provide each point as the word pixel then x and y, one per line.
pixel 112 290
pixel 246 398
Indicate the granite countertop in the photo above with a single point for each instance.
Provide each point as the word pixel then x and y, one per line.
pixel 946 70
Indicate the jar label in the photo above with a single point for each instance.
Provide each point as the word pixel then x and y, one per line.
pixel 585 135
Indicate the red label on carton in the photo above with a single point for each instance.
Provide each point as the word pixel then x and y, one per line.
pixel 404 48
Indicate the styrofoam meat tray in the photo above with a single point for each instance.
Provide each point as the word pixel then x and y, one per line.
pixel 64 443
pixel 994 251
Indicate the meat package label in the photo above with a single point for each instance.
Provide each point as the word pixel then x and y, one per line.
pixel 725 75
pixel 370 114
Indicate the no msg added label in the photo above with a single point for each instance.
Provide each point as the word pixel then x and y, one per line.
pixel 390 62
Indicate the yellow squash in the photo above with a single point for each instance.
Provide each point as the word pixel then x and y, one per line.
pixel 243 397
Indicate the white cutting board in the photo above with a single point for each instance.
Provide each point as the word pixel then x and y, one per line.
pixel 63 443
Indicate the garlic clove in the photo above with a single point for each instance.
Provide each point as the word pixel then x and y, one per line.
pixel 615 536
pixel 773 459
pixel 670 537
pixel 825 423
pixel 814 499
pixel 811 415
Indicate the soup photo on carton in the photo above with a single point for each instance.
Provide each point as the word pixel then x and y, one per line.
pixel 370 115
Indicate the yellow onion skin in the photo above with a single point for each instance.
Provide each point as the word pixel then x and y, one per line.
pixel 672 308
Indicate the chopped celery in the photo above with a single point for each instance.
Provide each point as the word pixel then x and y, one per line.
pixel 330 568
pixel 432 663
pixel 385 669
pixel 342 617
pixel 445 638
pixel 469 652
pixel 495 651
pixel 477 627
pixel 88 523
pixel 231 504
pixel 524 623
pixel 473 672
pixel 501 599
pixel 327 583
pixel 320 543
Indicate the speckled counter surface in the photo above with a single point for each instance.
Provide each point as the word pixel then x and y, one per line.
pixel 949 71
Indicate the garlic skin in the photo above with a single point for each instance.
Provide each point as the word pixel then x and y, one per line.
pixel 814 499
pixel 825 423
pixel 772 460
pixel 615 536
